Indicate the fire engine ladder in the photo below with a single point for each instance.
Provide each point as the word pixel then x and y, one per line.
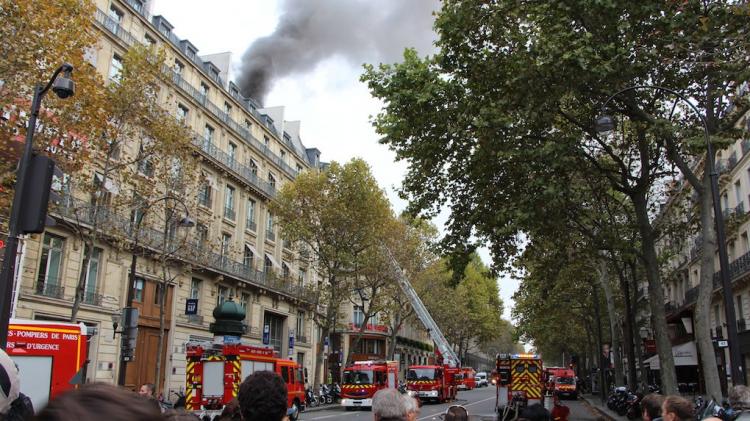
pixel 435 333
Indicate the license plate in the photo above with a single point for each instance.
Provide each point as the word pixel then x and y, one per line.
pixel 356 402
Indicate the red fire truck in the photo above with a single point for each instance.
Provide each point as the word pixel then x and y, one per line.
pixel 561 381
pixel 433 382
pixel 215 371
pixel 51 357
pixel 519 383
pixel 468 382
pixel 363 378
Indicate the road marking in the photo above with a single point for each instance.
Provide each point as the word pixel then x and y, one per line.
pixel 436 416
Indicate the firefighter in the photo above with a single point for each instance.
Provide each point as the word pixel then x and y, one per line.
pixel 560 412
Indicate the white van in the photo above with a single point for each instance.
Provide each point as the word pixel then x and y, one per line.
pixel 481 379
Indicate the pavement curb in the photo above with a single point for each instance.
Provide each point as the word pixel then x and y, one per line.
pixel 598 410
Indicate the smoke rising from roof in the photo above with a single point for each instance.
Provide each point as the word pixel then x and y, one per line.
pixel 359 31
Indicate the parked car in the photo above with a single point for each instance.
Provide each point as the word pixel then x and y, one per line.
pixel 481 379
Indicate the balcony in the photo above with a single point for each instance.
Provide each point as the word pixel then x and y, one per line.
pixel 301 339
pixel 114 28
pixel 50 288
pixel 229 213
pixel 732 160
pixel 119 226
pixel 92 298
pixel 250 225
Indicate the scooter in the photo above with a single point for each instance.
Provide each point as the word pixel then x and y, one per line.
pixel 312 400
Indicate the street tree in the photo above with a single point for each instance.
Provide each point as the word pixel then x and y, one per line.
pixel 338 215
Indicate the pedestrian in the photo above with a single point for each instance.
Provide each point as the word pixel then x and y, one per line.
pixel 14 405
pixel 739 401
pixel 231 411
pixel 412 407
pixel 676 408
pixel 147 390
pixel 456 413
pixel 263 397
pixel 388 405
pixel 560 412
pixel 98 401
pixel 651 407
pixel 535 412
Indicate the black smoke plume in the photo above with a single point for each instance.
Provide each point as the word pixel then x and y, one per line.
pixel 310 31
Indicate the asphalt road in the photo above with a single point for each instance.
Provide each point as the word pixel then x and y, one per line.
pixel 477 402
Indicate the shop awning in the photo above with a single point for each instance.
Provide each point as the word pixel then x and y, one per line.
pixel 683 354
pixel 273 261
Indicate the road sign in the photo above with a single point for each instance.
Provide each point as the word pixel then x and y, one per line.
pixel 722 344
pixel 266 335
pixel 191 306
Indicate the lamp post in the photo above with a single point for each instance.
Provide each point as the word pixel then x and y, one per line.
pixel 606 123
pixel 64 87
pixel 129 313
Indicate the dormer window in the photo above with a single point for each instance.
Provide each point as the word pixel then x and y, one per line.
pixel 204 89
pixel 190 53
pixel 227 108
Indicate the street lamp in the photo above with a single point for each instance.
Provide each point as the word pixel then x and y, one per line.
pixel 129 313
pixel 64 87
pixel 605 123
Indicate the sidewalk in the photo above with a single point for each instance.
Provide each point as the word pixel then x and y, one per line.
pixel 595 402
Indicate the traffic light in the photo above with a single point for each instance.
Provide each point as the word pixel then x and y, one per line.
pixel 37 183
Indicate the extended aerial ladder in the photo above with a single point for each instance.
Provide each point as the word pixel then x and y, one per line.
pixel 449 356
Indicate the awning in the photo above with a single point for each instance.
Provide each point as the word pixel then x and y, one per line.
pixel 683 354
pixel 110 185
pixel 255 252
pixel 273 261
pixel 210 180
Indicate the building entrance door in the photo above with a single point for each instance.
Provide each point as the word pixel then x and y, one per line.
pixel 275 323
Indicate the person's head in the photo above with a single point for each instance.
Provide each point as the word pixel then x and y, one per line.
pixel 739 397
pixel 456 413
pixel 98 401
pixel 388 405
pixel 535 412
pixel 10 384
pixel 651 406
pixel 263 397
pixel 231 411
pixel 179 415
pixel 676 408
pixel 147 390
pixel 411 405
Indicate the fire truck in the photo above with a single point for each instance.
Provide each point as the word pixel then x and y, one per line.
pixel 51 357
pixel 561 381
pixel 363 378
pixel 433 382
pixel 469 379
pixel 519 382
pixel 215 371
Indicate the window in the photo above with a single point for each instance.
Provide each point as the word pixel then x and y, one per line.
pixel 717 316
pixel 232 151
pixel 157 293
pixel 92 275
pixel 284 270
pixel 115 68
pixel 178 67
pixel 49 279
pixel 138 289
pixel 222 295
pixel 738 196
pixel 359 316
pixel 204 194
pixel 115 14
pixel 269 226
pixel 245 303
pixel 267 265
pixel 740 312
pixel 208 133
pixel 145 166
pixel 250 215
pixel 226 241
pixel 253 167
pixel 204 90
pixel 725 201
pixel 227 109
pixel 271 180
pixel 149 40
pixel 267 141
pixel 137 5
pixel 299 168
pixel 202 234
pixel 229 203
pixel 301 276
pixel 300 323
pixel 182 112
pixel 195 288
pixel 248 259
pixel 248 124
pixel 190 53
pixel 745 243
pixel 283 156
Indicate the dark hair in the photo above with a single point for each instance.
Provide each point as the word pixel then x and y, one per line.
pixel 231 411
pixel 179 415
pixel 97 401
pixel 263 397
pixel 680 406
pixel 535 412
pixel 651 403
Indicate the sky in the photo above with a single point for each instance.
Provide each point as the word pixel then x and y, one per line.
pixel 316 76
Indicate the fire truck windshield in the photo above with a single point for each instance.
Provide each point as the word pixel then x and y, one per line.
pixel 566 380
pixel 358 377
pixel 420 374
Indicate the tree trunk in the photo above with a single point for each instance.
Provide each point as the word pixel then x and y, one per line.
pixel 395 327
pixel 160 348
pixel 320 355
pixel 88 248
pixel 656 295
pixel 705 290
pixel 628 327
pixel 613 320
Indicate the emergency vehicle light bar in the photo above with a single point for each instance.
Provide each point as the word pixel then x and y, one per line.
pixel 525 356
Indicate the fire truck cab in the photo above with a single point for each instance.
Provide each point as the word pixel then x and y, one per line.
pixel 433 382
pixel 519 383
pixel 51 357
pixel 561 381
pixel 215 371
pixel 469 379
pixel 363 378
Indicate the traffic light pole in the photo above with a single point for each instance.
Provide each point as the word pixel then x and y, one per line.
pixel 11 247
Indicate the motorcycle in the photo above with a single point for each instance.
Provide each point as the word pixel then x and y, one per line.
pixel 324 395
pixel 311 398
pixel 334 391
pixel 633 410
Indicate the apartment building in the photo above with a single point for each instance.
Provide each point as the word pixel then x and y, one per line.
pixel 681 274
pixel 234 250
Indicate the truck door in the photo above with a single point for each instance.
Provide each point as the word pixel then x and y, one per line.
pixel 35 374
pixel 213 379
pixel 391 379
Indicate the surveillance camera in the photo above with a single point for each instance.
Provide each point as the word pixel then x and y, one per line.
pixel 64 87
